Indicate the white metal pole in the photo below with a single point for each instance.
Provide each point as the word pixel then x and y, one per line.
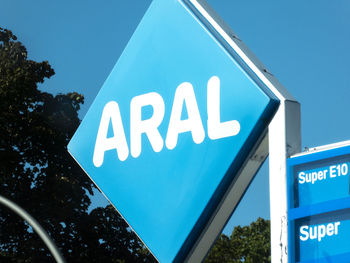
pixel 284 141
pixel 36 226
pixel 284 133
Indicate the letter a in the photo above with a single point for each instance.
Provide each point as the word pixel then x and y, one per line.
pixel 184 94
pixel 111 113
pixel 216 128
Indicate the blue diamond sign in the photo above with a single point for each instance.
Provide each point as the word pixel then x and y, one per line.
pixel 171 127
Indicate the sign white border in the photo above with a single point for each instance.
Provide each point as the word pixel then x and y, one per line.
pixel 283 140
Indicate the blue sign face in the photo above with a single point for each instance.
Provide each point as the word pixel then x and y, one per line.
pixel 322 181
pixel 319 206
pixel 170 128
pixel 324 238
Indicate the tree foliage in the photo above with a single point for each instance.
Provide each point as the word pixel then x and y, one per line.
pixel 249 244
pixel 37 173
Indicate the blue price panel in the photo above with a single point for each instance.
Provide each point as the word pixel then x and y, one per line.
pixel 323 238
pixel 319 206
pixel 319 177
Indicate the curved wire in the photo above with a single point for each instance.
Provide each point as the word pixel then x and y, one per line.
pixel 36 226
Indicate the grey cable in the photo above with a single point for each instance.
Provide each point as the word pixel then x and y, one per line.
pixel 36 226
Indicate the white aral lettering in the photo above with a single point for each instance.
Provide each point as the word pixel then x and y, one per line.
pixel 118 142
pixel 184 98
pixel 216 128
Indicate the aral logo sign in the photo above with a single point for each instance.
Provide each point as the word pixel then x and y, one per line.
pixel 184 99
pixel 171 127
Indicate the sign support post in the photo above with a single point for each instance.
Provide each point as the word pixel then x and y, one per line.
pixel 284 141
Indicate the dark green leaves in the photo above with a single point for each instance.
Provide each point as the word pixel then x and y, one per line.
pixel 249 244
pixel 37 172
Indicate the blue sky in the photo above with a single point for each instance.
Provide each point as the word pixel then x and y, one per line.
pixel 305 44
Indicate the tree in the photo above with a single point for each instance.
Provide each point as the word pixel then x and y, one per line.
pixel 247 244
pixel 37 172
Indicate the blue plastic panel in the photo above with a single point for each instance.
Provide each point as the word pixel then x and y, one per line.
pixel 317 178
pixel 168 196
pixel 319 200
pixel 322 237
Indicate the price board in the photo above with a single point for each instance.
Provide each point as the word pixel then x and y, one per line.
pixel 319 205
